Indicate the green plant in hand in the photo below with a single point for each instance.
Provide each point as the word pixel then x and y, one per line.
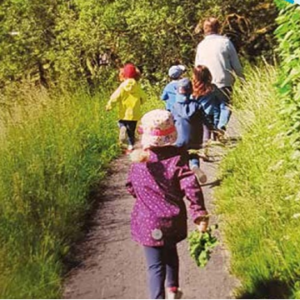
pixel 201 245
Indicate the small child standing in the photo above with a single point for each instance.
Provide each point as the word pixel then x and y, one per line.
pixel 130 97
pixel 170 90
pixel 159 180
pixel 189 119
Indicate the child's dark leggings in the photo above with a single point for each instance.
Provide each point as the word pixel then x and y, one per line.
pixel 207 133
pixel 163 265
pixel 130 129
pixel 194 160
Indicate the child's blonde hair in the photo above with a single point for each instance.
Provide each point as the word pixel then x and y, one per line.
pixel 140 155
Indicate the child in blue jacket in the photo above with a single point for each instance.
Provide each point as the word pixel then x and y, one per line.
pixel 170 90
pixel 189 118
pixel 210 98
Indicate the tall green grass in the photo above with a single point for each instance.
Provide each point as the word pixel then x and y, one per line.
pixel 54 150
pixel 259 198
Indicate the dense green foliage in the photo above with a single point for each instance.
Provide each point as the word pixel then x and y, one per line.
pixel 289 51
pixel 54 150
pixel 52 153
pixel 259 196
pixel 81 41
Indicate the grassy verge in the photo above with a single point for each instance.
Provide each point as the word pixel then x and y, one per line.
pixel 54 149
pixel 259 199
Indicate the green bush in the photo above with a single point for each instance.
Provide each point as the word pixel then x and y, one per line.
pixel 54 151
pixel 258 199
pixel 287 34
pixel 66 43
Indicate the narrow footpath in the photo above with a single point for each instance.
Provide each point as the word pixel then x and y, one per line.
pixel 112 266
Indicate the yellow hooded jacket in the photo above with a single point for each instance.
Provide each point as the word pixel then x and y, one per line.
pixel 130 96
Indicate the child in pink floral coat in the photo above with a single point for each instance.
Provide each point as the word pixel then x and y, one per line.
pixel 159 180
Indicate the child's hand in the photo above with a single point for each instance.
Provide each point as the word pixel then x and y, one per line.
pixel 108 107
pixel 202 223
pixel 202 226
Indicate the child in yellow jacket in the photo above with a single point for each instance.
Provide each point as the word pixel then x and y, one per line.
pixel 130 96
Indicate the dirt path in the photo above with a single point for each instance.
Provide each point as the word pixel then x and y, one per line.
pixel 112 265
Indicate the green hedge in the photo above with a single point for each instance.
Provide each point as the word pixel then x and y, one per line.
pixel 259 199
pixel 73 42
pixel 54 151
pixel 287 34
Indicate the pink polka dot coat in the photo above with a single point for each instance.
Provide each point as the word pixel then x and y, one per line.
pixel 159 215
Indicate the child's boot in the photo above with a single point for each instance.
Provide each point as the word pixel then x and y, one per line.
pixel 130 149
pixel 174 293
pixel 202 178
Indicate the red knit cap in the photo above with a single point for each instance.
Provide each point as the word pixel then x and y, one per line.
pixel 129 71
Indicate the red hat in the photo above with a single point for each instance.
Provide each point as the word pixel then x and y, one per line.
pixel 129 71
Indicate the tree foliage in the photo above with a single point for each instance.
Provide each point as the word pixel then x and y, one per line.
pixel 289 51
pixel 79 41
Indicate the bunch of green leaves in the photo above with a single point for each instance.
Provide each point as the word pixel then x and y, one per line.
pixel 201 245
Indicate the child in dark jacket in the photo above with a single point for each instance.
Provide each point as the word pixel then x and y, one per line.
pixel 189 118
pixel 159 180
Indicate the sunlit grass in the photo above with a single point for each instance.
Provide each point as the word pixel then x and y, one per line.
pixel 259 196
pixel 55 148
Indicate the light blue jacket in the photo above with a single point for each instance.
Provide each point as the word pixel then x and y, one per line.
pixel 211 104
pixel 169 94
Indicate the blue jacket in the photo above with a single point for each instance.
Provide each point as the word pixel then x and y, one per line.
pixel 169 94
pixel 189 118
pixel 211 104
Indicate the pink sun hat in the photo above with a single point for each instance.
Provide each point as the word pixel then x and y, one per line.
pixel 157 129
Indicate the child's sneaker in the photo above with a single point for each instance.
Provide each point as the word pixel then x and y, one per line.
pixel 174 293
pixel 129 149
pixel 221 136
pixel 122 135
pixel 202 178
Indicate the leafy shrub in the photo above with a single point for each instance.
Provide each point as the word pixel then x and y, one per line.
pixel 259 196
pixel 54 150
pixel 67 43
pixel 289 51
